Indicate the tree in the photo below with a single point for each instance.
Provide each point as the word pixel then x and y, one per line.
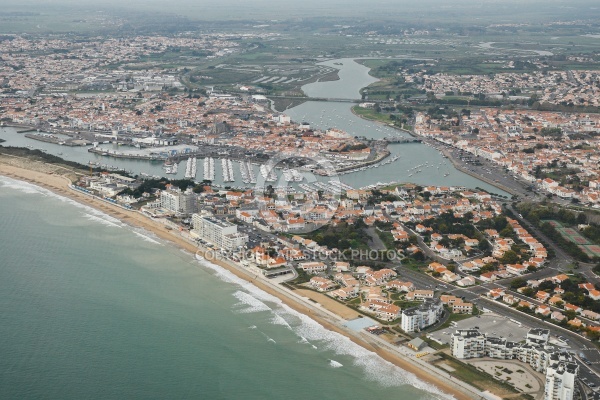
pixel 593 335
pixel 510 257
pixel 507 231
pixel 517 283
pixel 484 245
pixel 528 292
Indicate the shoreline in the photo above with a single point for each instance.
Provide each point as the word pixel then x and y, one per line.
pixel 60 184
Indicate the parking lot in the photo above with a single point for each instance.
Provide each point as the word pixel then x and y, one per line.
pixel 490 324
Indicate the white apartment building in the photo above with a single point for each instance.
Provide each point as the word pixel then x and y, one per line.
pixel 560 378
pixel 221 233
pixel 183 203
pixel 468 343
pixel 416 318
pixel 559 367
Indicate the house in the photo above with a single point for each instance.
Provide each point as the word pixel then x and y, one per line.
pixel 510 299
pixel 376 278
pixel 488 277
pixel 345 292
pixel 594 294
pixel 576 323
pixel 492 233
pixel 557 316
pixel 457 305
pixel 544 310
pixel 347 280
pixel 496 293
pixel 516 269
pixel 524 303
pixel 467 281
pixel 382 309
pixel 321 284
pixel 434 266
pixel 572 307
pixel 276 262
pixel 341 266
pixel 469 266
pixel 449 276
pixel 542 296
pixel 420 228
pixel 400 286
pixel 416 344
pixel 555 300
pixel 589 314
pixel 558 279
pixel 312 267
pixel 419 295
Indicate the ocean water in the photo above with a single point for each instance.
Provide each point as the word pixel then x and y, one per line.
pixel 92 308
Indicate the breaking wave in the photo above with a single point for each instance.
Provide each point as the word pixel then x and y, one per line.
pixel 308 330
pixel 249 304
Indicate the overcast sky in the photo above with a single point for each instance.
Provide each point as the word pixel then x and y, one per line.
pixel 503 10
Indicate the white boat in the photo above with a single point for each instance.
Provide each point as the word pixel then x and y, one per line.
pixel 172 169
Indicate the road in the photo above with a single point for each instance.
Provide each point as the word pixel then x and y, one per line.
pixel 561 260
pixel 474 294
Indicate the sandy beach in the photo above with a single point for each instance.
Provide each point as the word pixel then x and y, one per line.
pixel 57 179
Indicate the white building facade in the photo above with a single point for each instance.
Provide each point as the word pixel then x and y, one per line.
pixel 221 233
pixel 416 318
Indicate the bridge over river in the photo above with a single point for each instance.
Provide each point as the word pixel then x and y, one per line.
pixel 331 99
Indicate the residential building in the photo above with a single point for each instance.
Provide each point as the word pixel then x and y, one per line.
pixel 417 318
pixel 560 378
pixel 467 343
pixel 182 203
pixel 219 232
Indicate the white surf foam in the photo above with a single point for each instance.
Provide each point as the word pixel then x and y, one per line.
pixel 146 238
pixel 21 186
pixel 374 367
pixel 29 188
pixel 279 319
pixel 90 213
pixel 249 304
pixel 102 220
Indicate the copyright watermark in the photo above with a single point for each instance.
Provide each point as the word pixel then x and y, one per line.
pixel 349 255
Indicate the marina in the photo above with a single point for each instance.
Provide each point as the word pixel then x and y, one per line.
pixel 171 168
pixel 292 175
pixel 209 169
pixel 227 167
pixel 247 172
pixel 190 168
pixel 268 173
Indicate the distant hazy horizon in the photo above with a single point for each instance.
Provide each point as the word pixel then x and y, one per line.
pixel 441 11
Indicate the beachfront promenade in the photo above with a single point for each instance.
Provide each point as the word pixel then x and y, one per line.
pixel 374 342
